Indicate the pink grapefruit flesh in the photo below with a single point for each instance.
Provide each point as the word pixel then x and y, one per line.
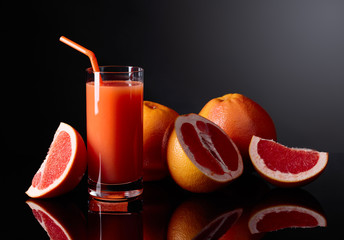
pixel 59 156
pixel 63 167
pixel 283 166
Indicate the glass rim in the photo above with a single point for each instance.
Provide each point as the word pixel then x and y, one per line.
pixel 131 69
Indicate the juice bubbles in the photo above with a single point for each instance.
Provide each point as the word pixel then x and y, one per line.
pixel 114 130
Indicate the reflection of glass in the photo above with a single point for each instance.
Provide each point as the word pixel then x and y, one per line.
pixel 157 210
pixel 286 209
pixel 60 218
pixel 112 220
pixel 130 206
pixel 114 98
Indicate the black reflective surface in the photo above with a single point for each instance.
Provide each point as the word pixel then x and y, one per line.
pixel 165 211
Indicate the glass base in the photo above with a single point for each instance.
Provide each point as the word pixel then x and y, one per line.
pixel 115 192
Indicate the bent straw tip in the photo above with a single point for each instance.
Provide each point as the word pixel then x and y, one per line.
pixel 83 50
pixel 64 39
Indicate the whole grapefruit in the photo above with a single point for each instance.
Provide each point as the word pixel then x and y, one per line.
pixel 157 126
pixel 241 118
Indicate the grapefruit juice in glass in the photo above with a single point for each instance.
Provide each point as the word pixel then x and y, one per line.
pixel 114 98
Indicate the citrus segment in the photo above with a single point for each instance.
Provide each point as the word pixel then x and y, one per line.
pixel 285 166
pixel 200 155
pixel 63 167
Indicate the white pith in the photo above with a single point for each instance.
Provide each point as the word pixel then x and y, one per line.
pixel 259 164
pixel 259 216
pixel 36 207
pixel 35 192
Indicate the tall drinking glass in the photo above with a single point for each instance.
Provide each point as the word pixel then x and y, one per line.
pixel 114 100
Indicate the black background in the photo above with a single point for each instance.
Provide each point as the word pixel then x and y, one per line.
pixel 287 55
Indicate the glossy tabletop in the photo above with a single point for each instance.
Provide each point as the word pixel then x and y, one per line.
pixel 165 211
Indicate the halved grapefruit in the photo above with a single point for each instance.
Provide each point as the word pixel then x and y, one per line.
pixel 63 167
pixel 60 219
pixel 283 166
pixel 200 155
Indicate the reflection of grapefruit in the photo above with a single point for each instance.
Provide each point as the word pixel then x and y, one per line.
pixel 60 219
pixel 157 122
pixel 63 167
pixel 240 230
pixel 286 208
pixel 200 155
pixel 285 216
pixel 218 227
pixel 241 118
pixel 196 215
pixel 286 167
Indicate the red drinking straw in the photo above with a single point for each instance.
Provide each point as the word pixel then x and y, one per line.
pixel 83 50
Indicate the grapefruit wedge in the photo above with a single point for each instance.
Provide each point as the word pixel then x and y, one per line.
pixel 283 166
pixel 63 167
pixel 200 155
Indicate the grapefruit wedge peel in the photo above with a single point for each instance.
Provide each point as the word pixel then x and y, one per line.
pixel 63 167
pixel 283 166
